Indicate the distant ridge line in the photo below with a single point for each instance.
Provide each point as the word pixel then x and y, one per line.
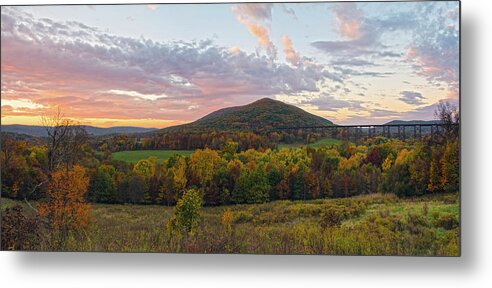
pixel 364 126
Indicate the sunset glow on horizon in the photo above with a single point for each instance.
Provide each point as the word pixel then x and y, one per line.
pixel 156 66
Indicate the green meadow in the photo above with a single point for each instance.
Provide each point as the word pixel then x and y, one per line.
pixel 135 156
pixel 328 142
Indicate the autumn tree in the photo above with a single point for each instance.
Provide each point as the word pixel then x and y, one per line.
pixel 145 167
pixel 230 148
pixel 450 166
pixel 65 206
pixel 418 165
pixel 14 166
pixel 186 215
pixel 178 175
pixel 202 165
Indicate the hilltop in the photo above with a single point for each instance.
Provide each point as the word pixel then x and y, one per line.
pixel 259 115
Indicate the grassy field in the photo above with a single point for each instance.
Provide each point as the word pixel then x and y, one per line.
pixel 135 156
pixel 323 142
pixel 364 225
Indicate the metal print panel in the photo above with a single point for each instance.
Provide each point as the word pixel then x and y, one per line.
pixel 264 128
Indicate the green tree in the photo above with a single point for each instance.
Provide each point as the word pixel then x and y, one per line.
pixel 450 163
pixel 418 165
pixel 230 149
pixel 101 186
pixel 136 188
pixel 251 186
pixel 145 167
pixel 186 215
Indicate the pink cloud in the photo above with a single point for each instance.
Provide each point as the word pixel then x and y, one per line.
pixel 290 54
pixel 348 20
pixel 256 16
pixel 246 12
pixel 128 78
pixel 437 66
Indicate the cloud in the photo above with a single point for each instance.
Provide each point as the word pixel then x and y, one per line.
pixel 250 12
pixel 348 19
pixel 235 50
pixel 261 33
pixel 384 115
pixel 152 7
pixel 435 51
pixel 353 62
pixel 90 73
pixel 361 34
pixel 257 17
pixel 288 11
pixel 17 104
pixel 326 102
pixel 347 72
pixel 136 94
pixel 429 30
pixel 290 54
pixel 425 112
pixel 412 98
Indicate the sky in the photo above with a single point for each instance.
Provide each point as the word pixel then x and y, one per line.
pixel 169 64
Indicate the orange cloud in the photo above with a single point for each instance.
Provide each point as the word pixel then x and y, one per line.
pixel 261 33
pixel 235 50
pixel 290 54
pixel 253 16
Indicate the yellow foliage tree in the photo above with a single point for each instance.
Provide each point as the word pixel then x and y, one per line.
pixel 66 207
pixel 178 172
pixel 202 166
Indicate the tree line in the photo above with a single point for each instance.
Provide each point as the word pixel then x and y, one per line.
pixel 228 176
pixel 232 174
pixel 215 140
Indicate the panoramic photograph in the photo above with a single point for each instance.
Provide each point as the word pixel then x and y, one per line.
pixel 323 128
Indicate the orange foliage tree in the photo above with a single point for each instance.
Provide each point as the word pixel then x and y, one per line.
pixel 66 207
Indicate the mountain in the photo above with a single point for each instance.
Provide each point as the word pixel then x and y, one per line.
pixel 39 131
pixel 412 122
pixel 259 115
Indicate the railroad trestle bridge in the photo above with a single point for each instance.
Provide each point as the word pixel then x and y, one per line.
pixel 359 132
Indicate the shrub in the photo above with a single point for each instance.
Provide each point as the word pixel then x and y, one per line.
pixel 186 214
pixel 226 220
pixel 18 231
pixel 332 217
pixel 447 221
pixel 242 217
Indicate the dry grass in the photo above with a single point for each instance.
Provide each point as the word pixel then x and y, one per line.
pixel 369 225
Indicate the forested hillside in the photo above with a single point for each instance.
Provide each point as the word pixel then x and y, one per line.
pixel 260 115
